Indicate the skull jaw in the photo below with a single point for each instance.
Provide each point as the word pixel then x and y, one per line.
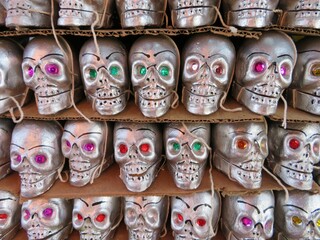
pixel 5 169
pixel 58 234
pixel 82 19
pixel 251 18
pixel 146 234
pixel 184 237
pixel 304 19
pixel 193 17
pixel 107 107
pixel 97 235
pixel 231 235
pixel 34 20
pixel 7 103
pixel 134 18
pixel 154 107
pixel 304 101
pixel 11 232
pixel 305 236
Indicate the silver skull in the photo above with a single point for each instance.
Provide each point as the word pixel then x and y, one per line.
pixel 187 152
pixel 195 216
pixel 299 217
pixel 47 71
pixel 88 146
pixel 137 150
pixel 10 211
pixel 6 128
pixel 304 92
pixel 145 217
pixel 97 217
pixel 35 153
pixel 81 13
pixel 193 13
pixel 105 77
pixel 240 150
pixel 47 218
pixel 293 152
pixel 250 14
pixel 298 13
pixel 141 13
pixel 249 216
pixel 11 79
pixel 154 63
pixel 263 71
pixel 208 62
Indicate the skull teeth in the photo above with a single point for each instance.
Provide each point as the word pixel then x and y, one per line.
pixel 190 3
pixel 246 175
pixel 153 94
pixel 196 100
pixel 140 178
pixel 252 13
pixel 264 100
pixel 308 14
pixel 134 5
pixel 300 166
pixel 69 13
pixel 136 234
pixel 136 13
pixel 42 101
pixel 90 236
pixel 38 233
pixel 184 167
pixel 190 12
pixel 204 90
pixel 306 177
pixel 30 178
pixel 136 168
pixel 78 175
pixel 79 165
pixel 153 103
pixel 268 91
pixel 16 12
pixel 186 176
pixel 252 4
pixel 251 166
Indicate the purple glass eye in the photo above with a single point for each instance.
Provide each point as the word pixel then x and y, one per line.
pixel 246 221
pixel 47 213
pixel 89 147
pixel 30 71
pixel 40 158
pixel 18 158
pixel 283 70
pixel 26 214
pixel 68 144
pixel 52 68
pixel 259 67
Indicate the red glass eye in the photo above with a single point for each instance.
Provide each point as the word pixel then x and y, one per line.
pixel 123 148
pixel 89 147
pixel 3 216
pixel 40 158
pixel 18 158
pixel 30 71
pixel 179 218
pixel 27 214
pixel 145 147
pixel 294 143
pixel 79 216
pixel 219 70
pixel 100 217
pixel 201 222
pixel 246 221
pixel 242 144
pixel 259 67
pixel 52 68
pixel 47 213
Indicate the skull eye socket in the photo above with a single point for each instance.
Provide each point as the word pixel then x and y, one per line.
pixel 176 146
pixel 47 213
pixel 68 144
pixel 40 158
pixel 52 69
pixel 284 70
pixel 178 218
pixel 193 66
pixel 92 73
pixel 247 222
pixel 152 216
pixel 88 147
pixel 242 144
pixel 269 226
pixel 316 147
pixel 144 147
pixel 141 70
pixel 101 217
pixel 79 217
pixel 164 71
pixel 131 215
pixel 296 220
pixel 294 143
pixel 123 148
pixel 17 158
pixel 315 70
pixel 114 71
pixel 259 67
pixel 218 69
pixel 27 214
pixel 201 222
pixel 30 71
pixel 196 146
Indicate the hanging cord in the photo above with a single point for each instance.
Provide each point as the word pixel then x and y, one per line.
pixel 231 28
pixel 103 14
pixel 59 171
pixel 14 119
pixel 165 230
pixel 284 122
pixel 98 52
pixel 175 102
pixel 224 96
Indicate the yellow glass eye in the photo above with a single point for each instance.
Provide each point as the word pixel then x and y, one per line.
pixel 296 220
pixel 318 223
pixel 316 71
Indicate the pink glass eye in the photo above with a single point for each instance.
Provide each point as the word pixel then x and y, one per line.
pixel 52 68
pixel 40 158
pixel 30 71
pixel 259 67
pixel 219 70
pixel 246 221
pixel 68 144
pixel 26 214
pixel 283 70
pixel 47 213
pixel 18 158
pixel 89 147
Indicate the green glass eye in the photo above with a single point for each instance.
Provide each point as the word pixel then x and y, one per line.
pixel 164 71
pixel 176 146
pixel 142 70
pixel 114 70
pixel 93 73
pixel 197 146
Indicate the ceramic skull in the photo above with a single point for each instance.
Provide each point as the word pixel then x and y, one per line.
pixel 299 217
pixel 240 149
pixel 190 14
pixel 6 128
pixel 46 70
pixel 293 152
pixel 250 14
pixel 249 216
pixel 187 152
pixel 88 146
pixel 304 92
pixel 36 154
pixel 96 217
pixel 298 13
pixel 208 62
pixel 263 71
pixel 11 79
pixel 81 13
pixel 28 13
pixel 105 77
pixel 10 211
pixel 141 13
pixel 137 150
pixel 47 218
pixel 145 216
pixel 195 216
pixel 154 63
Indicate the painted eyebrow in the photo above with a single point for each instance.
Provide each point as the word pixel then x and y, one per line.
pixel 69 133
pixel 97 203
pixel 83 134
pixel 17 146
pixel 197 129
pixel 188 206
pixel 29 58
pixel 147 55
pixel 164 51
pixel 284 55
pixel 6 199
pixel 151 203
pixel 290 205
pixel 309 51
pixel 98 58
pixel 41 146
pixel 178 130
pixel 84 202
pixel 200 205
pixel 146 129
pixel 316 134
pixel 239 201
pixel 125 128
pixel 258 53
pixel 291 129
pixel 51 54
pixel 135 204
pixel 260 132
pixel 315 210
pixel 268 208
pixel 237 132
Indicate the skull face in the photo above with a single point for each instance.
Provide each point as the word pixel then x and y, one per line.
pixel 9 215
pixel 11 80
pixel 96 218
pixel 297 13
pixel 190 14
pixel 28 13
pixel 263 70
pixel 35 153
pixel 154 62
pixel 304 92
pixel 85 13
pixel 88 145
pixel 105 78
pixel 137 150
pixel 208 65
pixel 6 127
pixel 195 216
pixel 248 216
pixel 47 218
pixel 187 152
pixel 46 71
pixel 240 150
pixel 145 217
pixel 248 13
pixel 293 152
pixel 299 217
pixel 141 13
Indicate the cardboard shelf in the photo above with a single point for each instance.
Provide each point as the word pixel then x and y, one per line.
pixel 11 183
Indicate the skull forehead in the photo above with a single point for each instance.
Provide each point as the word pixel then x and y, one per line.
pixel 194 199
pixel 34 205
pixel 308 44
pixel 90 202
pixel 308 129
pixel 143 201
pixel 8 200
pixel 11 53
pixel 78 128
pixel 136 129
